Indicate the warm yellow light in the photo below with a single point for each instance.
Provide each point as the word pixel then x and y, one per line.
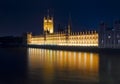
pixel 60 40
pixel 85 63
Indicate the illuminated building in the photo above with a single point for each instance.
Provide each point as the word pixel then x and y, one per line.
pixel 66 38
pixel 109 37
pixel 48 24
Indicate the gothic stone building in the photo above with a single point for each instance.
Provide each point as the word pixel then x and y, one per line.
pixel 109 37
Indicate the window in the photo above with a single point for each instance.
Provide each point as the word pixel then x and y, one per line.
pixel 118 41
pixel 102 41
pixel 109 37
pixel 118 36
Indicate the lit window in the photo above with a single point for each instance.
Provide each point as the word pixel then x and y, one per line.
pixel 118 36
pixel 118 41
pixel 102 41
pixel 45 20
pixel 109 37
pixel 50 21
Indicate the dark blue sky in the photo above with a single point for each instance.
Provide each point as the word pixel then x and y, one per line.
pixel 19 16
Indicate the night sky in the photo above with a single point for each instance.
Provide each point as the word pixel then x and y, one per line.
pixel 19 16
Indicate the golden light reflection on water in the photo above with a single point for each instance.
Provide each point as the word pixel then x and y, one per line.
pixel 83 63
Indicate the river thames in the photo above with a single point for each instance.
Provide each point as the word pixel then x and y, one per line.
pixel 45 66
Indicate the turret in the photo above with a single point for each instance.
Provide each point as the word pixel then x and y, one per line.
pixel 69 25
pixel 29 37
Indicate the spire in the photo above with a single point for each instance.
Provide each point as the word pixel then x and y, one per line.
pixel 69 23
pixel 48 14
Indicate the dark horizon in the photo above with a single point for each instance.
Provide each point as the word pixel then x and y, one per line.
pixel 18 17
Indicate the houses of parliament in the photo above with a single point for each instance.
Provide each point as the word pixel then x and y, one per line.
pixel 101 38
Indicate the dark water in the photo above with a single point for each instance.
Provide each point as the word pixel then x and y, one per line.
pixel 42 66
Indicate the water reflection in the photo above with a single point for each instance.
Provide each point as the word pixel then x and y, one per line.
pixel 63 65
pixel 41 66
pixel 109 68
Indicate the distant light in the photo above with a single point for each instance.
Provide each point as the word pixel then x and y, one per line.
pixel 118 36
pixel 109 37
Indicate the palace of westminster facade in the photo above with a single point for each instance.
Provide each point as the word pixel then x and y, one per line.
pixel 105 37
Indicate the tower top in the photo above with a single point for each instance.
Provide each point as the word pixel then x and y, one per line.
pixel 48 13
pixel 69 23
pixel 48 24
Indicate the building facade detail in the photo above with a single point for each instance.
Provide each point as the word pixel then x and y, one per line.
pixel 48 24
pixel 63 39
pixel 109 37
